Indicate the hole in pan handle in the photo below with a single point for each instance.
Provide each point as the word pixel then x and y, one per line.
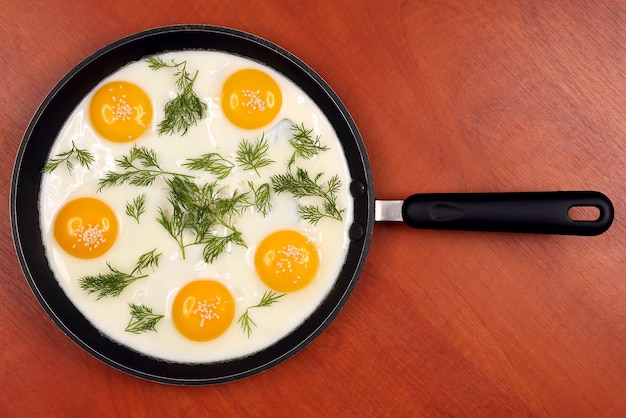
pixel 530 212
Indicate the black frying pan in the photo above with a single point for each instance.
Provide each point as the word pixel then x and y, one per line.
pixel 514 212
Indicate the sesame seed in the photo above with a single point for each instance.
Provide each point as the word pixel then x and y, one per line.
pixel 122 110
pixel 297 255
pixel 206 311
pixel 91 236
pixel 255 102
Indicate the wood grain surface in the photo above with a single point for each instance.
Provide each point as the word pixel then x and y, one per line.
pixel 449 96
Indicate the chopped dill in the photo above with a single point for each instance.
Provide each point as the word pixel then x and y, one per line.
pixel 262 197
pixel 82 156
pixel 204 211
pixel 139 168
pixel 301 185
pixel 253 156
pixel 212 163
pixel 115 281
pixel 137 207
pixel 142 319
pixel 246 322
pixel 303 143
pixel 184 110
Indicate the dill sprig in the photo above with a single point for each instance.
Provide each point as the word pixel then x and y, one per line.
pixel 115 281
pixel 301 185
pixel 211 162
pixel 82 156
pixel 215 245
pixel 262 197
pixel 202 211
pixel 137 207
pixel 139 168
pixel 184 110
pixel 253 156
pixel 246 322
pixel 303 143
pixel 142 319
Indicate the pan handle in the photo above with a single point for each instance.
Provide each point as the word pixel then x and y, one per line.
pixel 532 212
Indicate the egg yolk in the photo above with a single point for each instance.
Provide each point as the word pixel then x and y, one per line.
pixel 120 111
pixel 86 227
pixel 286 260
pixel 203 309
pixel 251 99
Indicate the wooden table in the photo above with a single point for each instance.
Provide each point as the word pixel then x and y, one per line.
pixel 449 97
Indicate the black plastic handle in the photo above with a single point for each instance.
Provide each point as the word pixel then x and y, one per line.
pixel 531 212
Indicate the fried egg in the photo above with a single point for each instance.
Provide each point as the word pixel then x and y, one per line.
pixel 120 111
pixel 286 260
pixel 251 98
pixel 202 310
pixel 85 227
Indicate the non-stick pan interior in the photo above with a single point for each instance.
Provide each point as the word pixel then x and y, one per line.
pixel 52 114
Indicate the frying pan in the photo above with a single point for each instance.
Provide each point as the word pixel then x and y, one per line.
pixel 545 212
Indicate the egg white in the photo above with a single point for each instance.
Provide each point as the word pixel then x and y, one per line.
pixel 235 269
